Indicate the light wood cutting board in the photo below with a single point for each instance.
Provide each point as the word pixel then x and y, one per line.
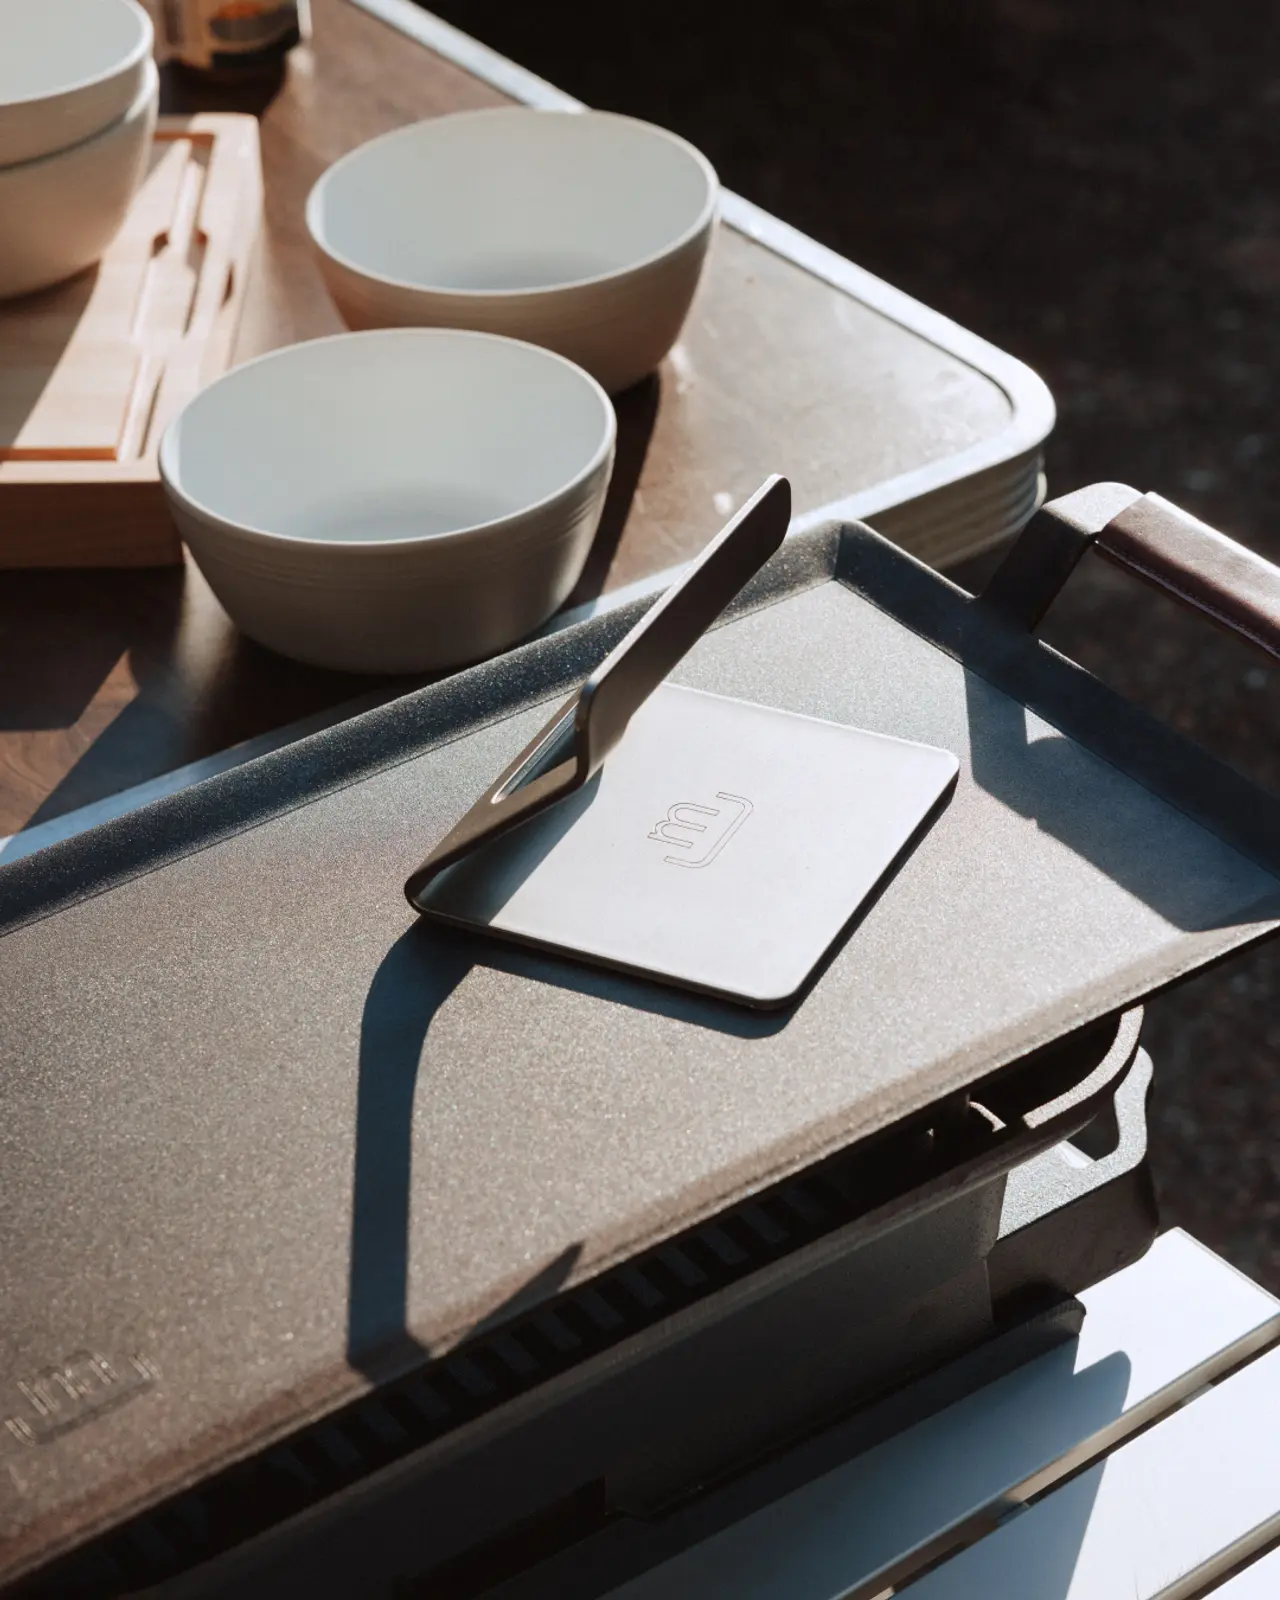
pixel 93 369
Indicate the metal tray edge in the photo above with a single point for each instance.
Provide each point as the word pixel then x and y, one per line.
pixel 232 800
pixel 1028 395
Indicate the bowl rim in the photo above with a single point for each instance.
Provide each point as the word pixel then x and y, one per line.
pixel 706 215
pixel 138 111
pixel 251 533
pixel 144 47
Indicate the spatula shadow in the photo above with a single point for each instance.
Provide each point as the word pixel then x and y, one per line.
pixel 415 978
pixel 413 981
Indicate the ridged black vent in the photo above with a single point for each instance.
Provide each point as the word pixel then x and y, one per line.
pixel 328 1456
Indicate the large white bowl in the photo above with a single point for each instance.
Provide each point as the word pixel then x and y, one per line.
pixel 68 69
pixel 59 213
pixel 392 501
pixel 581 231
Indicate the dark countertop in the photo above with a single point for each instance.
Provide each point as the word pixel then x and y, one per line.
pixel 1090 186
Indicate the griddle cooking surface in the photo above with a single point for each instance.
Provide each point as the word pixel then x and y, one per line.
pixel 263 1131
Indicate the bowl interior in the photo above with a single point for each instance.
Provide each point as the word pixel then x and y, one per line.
pixel 51 46
pixel 511 200
pixel 396 435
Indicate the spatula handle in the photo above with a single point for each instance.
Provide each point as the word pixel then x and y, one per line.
pixel 570 748
pixel 671 628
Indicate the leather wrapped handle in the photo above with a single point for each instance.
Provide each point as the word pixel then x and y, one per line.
pixel 1175 552
pixel 1148 536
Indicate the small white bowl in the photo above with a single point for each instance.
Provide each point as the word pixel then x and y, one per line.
pixel 395 501
pixel 581 231
pixel 59 213
pixel 68 69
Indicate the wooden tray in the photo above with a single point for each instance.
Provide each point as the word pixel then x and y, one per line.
pixel 92 370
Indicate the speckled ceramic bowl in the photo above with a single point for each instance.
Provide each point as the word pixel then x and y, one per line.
pixel 584 232
pixel 393 501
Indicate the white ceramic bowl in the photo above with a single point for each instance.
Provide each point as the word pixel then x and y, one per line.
pixel 59 213
pixel 581 231
pixel 393 501
pixel 68 69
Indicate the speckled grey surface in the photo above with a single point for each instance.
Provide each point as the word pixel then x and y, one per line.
pixel 237 1082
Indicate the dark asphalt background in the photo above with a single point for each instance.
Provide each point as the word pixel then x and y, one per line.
pixel 1094 186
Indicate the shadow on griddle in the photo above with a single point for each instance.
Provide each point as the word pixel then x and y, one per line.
pixel 414 980
pixel 417 975
pixel 1114 825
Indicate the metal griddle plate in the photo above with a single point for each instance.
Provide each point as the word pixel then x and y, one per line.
pixel 257 1120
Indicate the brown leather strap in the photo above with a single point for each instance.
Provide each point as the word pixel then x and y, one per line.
pixel 1197 565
